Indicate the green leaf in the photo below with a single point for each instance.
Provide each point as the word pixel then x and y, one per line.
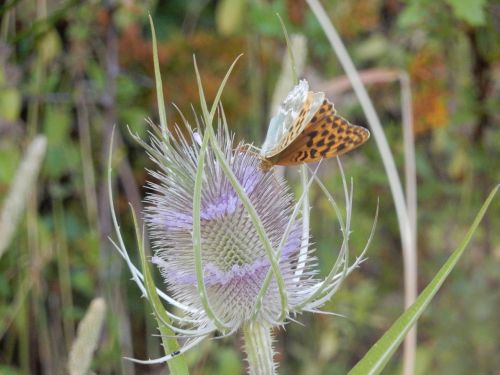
pixel 127 90
pixel 10 104
pixel 377 357
pixel 61 159
pixel 262 18
pixel 56 125
pixel 49 46
pixel 412 14
pixel 134 116
pixel 230 16
pixel 8 370
pixel 9 161
pixel 471 11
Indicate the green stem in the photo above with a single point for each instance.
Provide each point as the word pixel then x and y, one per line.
pixel 259 348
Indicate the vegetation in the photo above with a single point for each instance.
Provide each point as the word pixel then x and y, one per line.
pixel 72 70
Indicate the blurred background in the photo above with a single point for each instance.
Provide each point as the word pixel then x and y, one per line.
pixel 70 70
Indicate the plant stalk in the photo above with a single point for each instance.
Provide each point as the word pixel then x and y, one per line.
pixel 259 348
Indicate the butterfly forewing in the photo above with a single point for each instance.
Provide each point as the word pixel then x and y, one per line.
pixel 326 135
pixel 312 103
pixel 295 129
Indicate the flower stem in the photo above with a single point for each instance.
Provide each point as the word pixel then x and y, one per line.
pixel 259 348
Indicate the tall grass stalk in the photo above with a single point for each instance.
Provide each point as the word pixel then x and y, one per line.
pixel 405 228
pixel 409 151
pixel 89 184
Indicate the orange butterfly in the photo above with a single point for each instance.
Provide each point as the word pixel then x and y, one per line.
pixel 307 129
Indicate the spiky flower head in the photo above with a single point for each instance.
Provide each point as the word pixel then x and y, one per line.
pixel 234 258
pixel 256 262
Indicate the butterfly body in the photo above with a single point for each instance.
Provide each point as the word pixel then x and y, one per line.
pixel 310 134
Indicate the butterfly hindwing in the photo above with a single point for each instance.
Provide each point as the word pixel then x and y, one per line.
pixel 325 136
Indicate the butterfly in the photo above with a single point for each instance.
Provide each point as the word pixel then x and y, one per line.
pixel 307 129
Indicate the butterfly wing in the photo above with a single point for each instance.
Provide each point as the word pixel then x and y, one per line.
pixel 326 135
pixel 298 99
pixel 311 104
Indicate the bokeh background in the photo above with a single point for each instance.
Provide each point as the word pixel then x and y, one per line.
pixel 71 70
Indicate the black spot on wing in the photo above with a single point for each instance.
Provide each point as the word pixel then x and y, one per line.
pixel 312 134
pixel 303 157
pixel 340 147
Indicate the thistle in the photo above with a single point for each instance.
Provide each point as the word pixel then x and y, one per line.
pixel 230 240
pixel 234 260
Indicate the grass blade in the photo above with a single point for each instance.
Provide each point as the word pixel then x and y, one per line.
pixel 404 223
pixel 377 357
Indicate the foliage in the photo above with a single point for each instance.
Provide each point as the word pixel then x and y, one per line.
pixel 71 70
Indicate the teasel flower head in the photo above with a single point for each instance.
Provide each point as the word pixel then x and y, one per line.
pixel 230 240
pixel 234 260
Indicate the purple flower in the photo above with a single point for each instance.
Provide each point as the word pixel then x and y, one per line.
pixel 234 259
